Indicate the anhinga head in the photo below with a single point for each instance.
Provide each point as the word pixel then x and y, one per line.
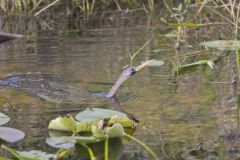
pixel 128 72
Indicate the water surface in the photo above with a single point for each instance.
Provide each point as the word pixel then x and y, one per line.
pixel 179 115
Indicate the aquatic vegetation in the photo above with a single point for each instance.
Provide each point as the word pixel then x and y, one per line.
pixel 10 135
pixel 7 134
pixel 91 120
pixel 30 155
pixel 101 124
pixel 186 68
pixel 222 44
pixel 86 6
pixel 189 24
pixel 3 118
pixel 226 45
pixel 201 62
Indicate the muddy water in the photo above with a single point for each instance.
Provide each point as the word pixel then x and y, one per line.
pixel 191 116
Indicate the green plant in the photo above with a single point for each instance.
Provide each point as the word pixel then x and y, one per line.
pixel 86 6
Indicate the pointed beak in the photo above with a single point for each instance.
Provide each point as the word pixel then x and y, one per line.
pixel 142 65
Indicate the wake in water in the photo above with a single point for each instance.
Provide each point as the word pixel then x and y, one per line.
pixel 45 87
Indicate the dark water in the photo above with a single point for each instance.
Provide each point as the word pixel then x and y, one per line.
pixel 192 116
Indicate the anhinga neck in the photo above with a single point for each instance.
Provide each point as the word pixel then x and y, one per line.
pixel 123 77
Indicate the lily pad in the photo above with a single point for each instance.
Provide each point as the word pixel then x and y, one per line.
pixel 89 118
pixel 116 130
pixel 222 44
pixel 11 135
pixel 3 119
pixel 61 142
pixel 28 155
pixel 67 142
pixel 68 124
pixel 97 114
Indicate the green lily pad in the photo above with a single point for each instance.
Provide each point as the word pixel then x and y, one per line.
pixel 116 130
pixel 3 119
pixel 97 114
pixel 11 135
pixel 68 124
pixel 56 124
pixel 222 44
pixel 89 118
pixel 67 142
pixel 30 155
pixel 61 142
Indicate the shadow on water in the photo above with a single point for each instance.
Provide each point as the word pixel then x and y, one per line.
pixel 191 116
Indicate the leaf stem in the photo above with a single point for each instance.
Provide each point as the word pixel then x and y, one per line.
pixel 92 157
pixel 106 149
pixel 143 145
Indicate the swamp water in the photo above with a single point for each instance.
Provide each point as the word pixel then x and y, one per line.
pixel 192 116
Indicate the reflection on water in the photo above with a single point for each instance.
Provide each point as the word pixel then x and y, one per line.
pixel 190 116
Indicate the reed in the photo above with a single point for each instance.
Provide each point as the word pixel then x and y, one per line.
pixel 85 7
pixel 233 10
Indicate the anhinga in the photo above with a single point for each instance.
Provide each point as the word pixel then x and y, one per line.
pixel 128 72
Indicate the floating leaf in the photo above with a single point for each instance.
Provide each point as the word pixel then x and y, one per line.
pixel 11 135
pixel 3 119
pixel 61 142
pixel 69 123
pixel 30 155
pixel 89 118
pixel 67 142
pixel 61 124
pixel 56 124
pixel 222 44
pixel 97 114
pixel 116 130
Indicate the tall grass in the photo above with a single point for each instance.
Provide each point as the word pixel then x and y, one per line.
pixel 85 7
pixel 12 7
pixel 232 8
